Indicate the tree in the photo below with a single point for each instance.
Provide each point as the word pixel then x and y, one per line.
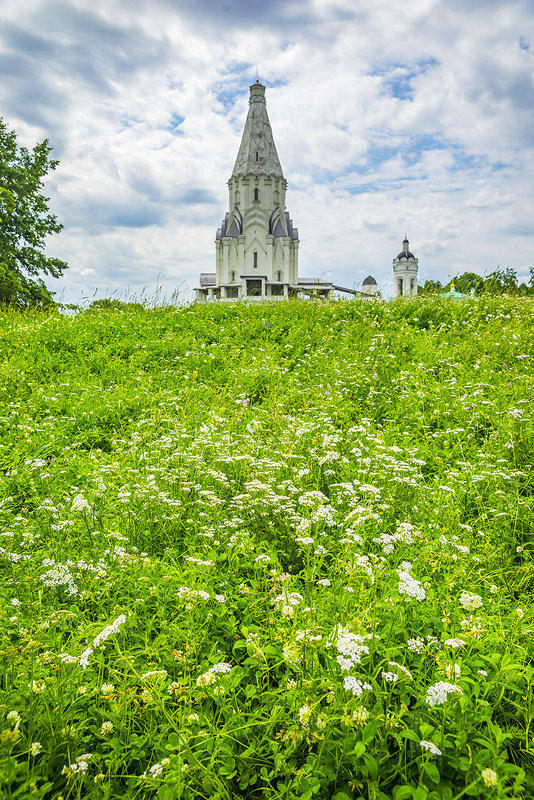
pixel 25 222
pixel 430 287
pixel 501 281
pixel 468 280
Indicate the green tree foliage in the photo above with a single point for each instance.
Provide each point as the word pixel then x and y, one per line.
pixel 25 222
pixel 430 287
pixel 469 280
pixel 501 281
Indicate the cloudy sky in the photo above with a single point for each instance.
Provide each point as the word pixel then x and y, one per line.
pixel 390 118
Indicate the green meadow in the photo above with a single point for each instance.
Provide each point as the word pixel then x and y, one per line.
pixel 268 551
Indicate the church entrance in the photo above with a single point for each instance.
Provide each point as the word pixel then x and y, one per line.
pixel 253 288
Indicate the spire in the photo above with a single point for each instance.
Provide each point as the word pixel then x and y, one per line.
pixel 406 244
pixel 257 154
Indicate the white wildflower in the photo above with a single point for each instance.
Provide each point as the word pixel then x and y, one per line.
pixel 416 645
pixel 470 601
pixel 360 716
pixel 351 646
pixel 65 658
pixel 431 747
pixel 221 668
pixel 84 658
pixel 80 766
pixel 206 679
pixel 409 585
pixel 402 668
pixel 454 643
pixel 453 671
pixel 305 713
pixel 155 673
pixel 14 716
pixel 355 686
pixel 438 692
pixel 80 504
pixel 489 776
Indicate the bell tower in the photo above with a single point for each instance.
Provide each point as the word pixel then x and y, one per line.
pixel 405 268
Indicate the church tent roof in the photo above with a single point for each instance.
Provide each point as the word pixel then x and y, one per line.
pixel 257 154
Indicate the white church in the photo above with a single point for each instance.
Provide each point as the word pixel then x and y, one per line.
pixel 257 244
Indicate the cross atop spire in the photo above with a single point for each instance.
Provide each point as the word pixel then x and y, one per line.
pixel 257 154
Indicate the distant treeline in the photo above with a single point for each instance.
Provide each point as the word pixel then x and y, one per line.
pixel 500 281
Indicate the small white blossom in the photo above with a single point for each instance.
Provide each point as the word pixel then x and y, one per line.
pixel 489 776
pixel 14 716
pixel 438 692
pixel 155 673
pixel 453 671
pixel 454 643
pixel 65 658
pixel 305 713
pixel 416 645
pixel 470 601
pixel 431 747
pixel 80 504
pixel 409 585
pixel 222 668
pixel 355 686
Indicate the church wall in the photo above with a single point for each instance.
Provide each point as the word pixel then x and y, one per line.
pixel 273 254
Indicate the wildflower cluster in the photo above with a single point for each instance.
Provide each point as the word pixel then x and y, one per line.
pixel 244 560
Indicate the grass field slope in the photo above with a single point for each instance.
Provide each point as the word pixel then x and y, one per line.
pixel 267 552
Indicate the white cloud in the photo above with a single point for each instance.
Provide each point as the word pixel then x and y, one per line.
pixel 390 119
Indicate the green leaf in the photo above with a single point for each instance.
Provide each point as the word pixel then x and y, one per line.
pixel 421 793
pixel 432 771
pixel 369 731
pixel 358 750
pixel 403 792
pixel 411 735
pixel 372 766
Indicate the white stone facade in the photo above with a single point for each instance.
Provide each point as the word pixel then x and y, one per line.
pixel 405 269
pixel 257 245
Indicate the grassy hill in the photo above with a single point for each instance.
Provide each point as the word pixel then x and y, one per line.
pixel 273 551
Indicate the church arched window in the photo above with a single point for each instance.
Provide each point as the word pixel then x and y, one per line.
pixel 256 194
pixel 255 258
pixel 279 276
pixel 232 278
